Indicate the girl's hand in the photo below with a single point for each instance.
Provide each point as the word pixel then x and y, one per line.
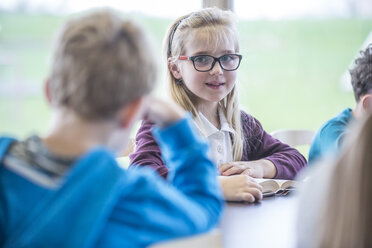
pixel 258 169
pixel 240 188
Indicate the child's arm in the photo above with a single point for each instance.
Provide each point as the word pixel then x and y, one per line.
pixel 147 151
pixel 261 168
pixel 287 160
pixel 264 152
pixel 150 210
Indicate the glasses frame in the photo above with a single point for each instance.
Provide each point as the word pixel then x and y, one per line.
pixel 192 58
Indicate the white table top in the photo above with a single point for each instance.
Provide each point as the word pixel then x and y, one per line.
pixel 270 223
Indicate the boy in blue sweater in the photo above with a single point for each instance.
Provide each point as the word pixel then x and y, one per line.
pixel 65 189
pixel 329 137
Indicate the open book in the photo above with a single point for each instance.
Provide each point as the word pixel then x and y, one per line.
pixel 273 187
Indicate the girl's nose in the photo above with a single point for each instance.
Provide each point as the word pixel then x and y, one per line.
pixel 216 69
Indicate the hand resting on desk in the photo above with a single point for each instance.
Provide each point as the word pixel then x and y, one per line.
pixel 240 188
pixel 262 168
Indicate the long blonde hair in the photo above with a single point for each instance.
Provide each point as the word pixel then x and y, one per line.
pixel 220 26
pixel 346 220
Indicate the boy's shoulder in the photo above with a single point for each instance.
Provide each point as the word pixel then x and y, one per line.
pixel 343 117
pixel 330 134
pixel 338 122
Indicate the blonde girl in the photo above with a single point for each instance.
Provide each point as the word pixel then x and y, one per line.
pixel 202 51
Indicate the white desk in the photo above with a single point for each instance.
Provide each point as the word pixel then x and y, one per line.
pixel 270 223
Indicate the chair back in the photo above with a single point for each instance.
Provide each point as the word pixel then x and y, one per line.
pixel 294 137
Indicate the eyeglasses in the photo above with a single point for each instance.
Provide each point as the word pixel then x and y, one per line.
pixel 203 63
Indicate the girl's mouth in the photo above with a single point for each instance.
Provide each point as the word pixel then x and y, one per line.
pixel 214 85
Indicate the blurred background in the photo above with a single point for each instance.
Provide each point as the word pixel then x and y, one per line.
pixel 296 55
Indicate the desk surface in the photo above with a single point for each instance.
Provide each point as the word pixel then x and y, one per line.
pixel 270 223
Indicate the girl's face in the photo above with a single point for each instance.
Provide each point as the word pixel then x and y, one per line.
pixel 211 86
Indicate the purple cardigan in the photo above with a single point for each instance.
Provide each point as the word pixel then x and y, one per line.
pixel 258 145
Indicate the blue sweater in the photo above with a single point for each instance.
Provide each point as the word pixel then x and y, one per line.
pixel 329 137
pixel 98 204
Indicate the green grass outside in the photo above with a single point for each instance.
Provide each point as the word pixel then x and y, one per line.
pixel 289 76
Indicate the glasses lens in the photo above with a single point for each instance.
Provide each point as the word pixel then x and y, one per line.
pixel 203 62
pixel 230 61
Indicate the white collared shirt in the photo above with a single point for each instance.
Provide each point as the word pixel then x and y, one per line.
pixel 219 140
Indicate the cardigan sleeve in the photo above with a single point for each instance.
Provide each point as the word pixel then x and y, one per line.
pixel 261 145
pixel 147 152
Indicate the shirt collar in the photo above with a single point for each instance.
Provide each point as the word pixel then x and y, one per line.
pixel 207 128
pixel 224 124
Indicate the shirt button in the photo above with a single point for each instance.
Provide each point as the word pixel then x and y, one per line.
pixel 219 149
pixel 220 136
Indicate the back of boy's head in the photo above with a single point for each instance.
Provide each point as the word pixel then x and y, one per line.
pixel 361 74
pixel 101 63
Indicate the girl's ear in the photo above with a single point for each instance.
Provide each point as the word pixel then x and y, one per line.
pixel 174 69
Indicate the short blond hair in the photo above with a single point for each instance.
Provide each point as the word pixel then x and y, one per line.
pixel 219 25
pixel 100 64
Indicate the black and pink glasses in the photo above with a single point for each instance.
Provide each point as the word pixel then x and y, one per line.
pixel 203 63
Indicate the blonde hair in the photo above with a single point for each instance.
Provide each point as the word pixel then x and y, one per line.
pixel 220 26
pixel 100 64
pixel 347 219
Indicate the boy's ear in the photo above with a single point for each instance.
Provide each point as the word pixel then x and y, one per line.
pixel 47 91
pixel 367 103
pixel 130 113
pixel 174 69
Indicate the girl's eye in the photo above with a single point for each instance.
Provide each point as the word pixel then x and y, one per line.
pixel 226 58
pixel 202 59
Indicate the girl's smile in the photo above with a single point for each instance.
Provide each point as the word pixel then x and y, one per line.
pixel 215 84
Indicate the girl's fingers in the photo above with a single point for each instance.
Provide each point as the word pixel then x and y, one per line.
pixel 231 171
pixel 248 172
pixel 225 167
pixel 252 196
pixel 255 185
pixel 252 184
pixel 247 197
pixel 257 194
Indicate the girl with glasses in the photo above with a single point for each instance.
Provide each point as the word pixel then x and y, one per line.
pixel 202 51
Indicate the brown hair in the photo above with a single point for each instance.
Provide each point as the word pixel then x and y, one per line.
pixel 346 220
pixel 219 25
pixel 100 64
pixel 361 73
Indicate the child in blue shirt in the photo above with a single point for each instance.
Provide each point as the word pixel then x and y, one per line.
pixel 65 189
pixel 329 137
